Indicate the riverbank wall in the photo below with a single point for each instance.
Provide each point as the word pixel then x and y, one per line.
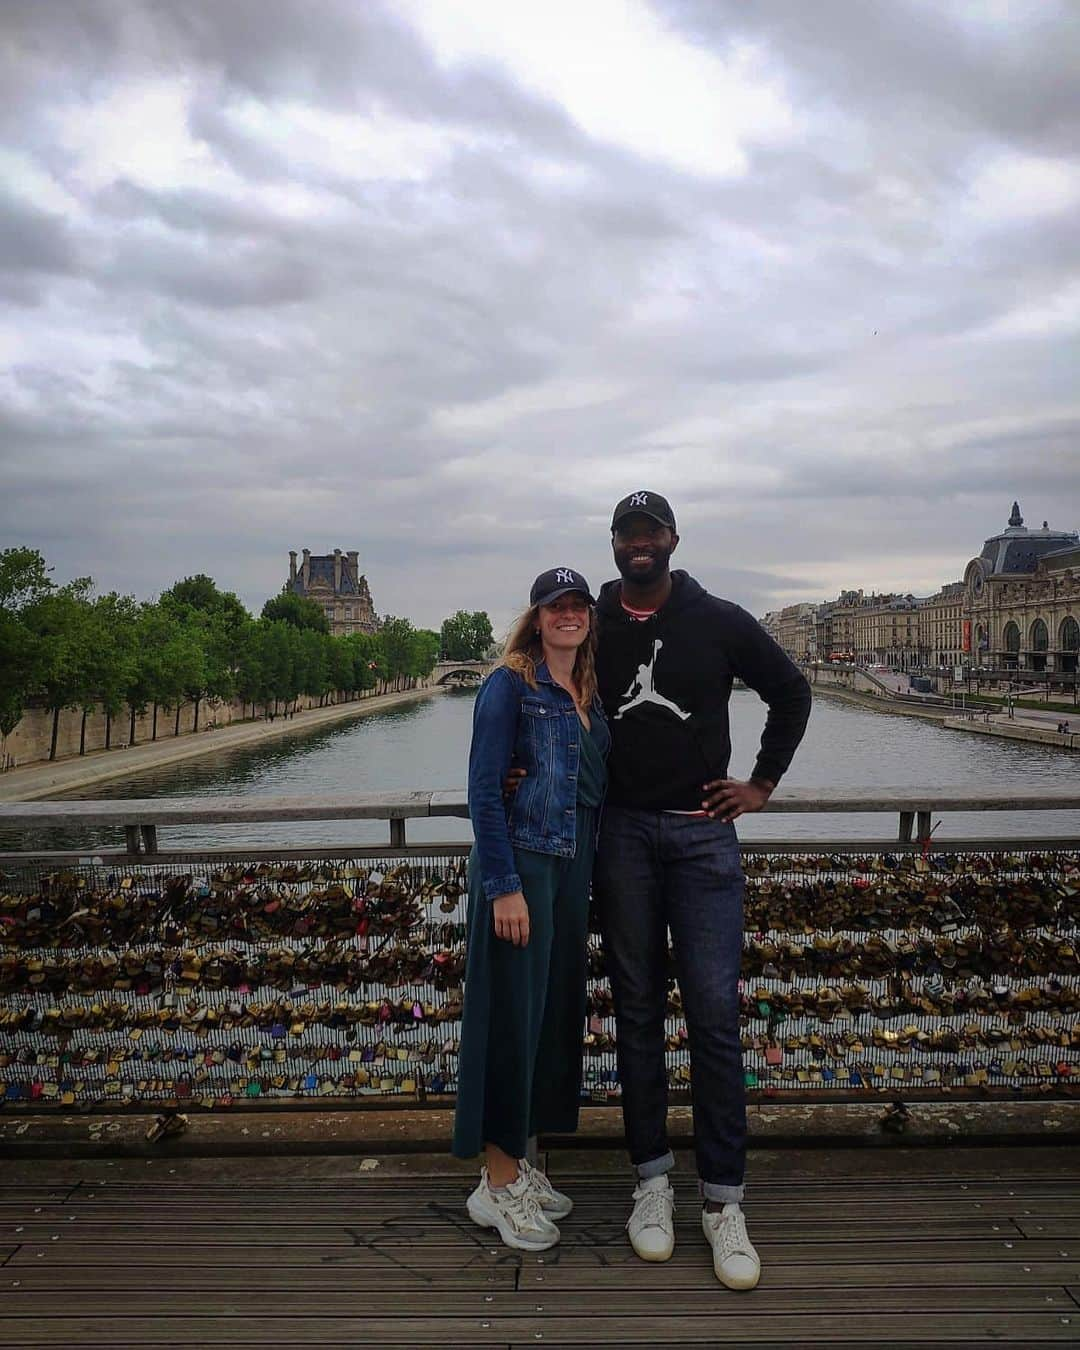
pixel 32 782
pixel 1016 731
pixel 882 700
pixel 29 743
pixel 856 686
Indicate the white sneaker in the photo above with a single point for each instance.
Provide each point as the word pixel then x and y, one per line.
pixel 735 1261
pixel 515 1212
pixel 651 1226
pixel 553 1203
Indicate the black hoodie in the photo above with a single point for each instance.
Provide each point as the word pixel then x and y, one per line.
pixel 665 683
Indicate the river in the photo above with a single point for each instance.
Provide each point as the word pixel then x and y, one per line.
pixel 424 745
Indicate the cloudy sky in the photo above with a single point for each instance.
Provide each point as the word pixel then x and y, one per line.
pixel 440 280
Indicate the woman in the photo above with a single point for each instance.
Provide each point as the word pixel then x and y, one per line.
pixel 529 874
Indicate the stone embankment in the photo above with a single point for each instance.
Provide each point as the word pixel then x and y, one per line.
pixel 1018 728
pixel 32 782
pixel 867 690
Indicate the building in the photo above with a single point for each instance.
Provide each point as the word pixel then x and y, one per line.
pixel 941 628
pixel 886 629
pixel 334 582
pixel 1022 600
pixel 836 626
pixel 793 628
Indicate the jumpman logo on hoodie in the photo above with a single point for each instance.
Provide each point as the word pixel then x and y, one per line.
pixel 643 690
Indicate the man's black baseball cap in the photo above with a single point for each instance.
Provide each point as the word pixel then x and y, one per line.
pixel 557 581
pixel 645 504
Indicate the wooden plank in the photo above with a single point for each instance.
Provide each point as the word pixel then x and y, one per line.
pixel 763 1193
pixel 403 804
pixel 551 1279
pixel 633 1304
pixel 739 1325
pixel 76 1251
pixel 330 1257
pixel 221 810
pixel 862 1209
pixel 922 1248
pixel 1050 1228
pixel 440 1227
pixel 887 1274
pixel 485 1277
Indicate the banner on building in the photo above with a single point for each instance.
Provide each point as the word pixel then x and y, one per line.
pixel 966 639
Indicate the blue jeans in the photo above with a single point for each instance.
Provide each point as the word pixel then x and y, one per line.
pixel 655 871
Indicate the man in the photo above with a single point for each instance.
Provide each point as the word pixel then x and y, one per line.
pixel 668 858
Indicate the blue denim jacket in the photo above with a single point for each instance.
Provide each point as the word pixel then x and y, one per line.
pixel 539 731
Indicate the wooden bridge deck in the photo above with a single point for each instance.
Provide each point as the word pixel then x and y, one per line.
pixel 860 1247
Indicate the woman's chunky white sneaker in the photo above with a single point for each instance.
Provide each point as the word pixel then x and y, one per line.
pixel 734 1259
pixel 515 1212
pixel 554 1204
pixel 651 1226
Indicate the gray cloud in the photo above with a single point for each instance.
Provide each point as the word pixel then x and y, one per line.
pixel 289 277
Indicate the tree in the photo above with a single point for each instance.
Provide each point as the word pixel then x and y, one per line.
pixel 297 610
pixel 425 652
pixel 60 620
pixel 465 636
pixel 396 640
pixel 217 621
pixel 24 579
pixel 201 593
pixel 110 660
pixel 365 652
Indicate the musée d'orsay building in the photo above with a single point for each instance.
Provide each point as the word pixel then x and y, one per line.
pixel 1017 608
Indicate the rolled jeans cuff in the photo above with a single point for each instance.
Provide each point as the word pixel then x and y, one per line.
pixel 723 1195
pixel 655 1167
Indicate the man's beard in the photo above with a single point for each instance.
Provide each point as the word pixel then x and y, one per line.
pixel 643 576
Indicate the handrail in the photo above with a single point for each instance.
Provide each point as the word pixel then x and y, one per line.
pixel 407 805
pixel 140 817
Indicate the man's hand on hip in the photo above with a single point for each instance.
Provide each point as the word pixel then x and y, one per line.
pixel 728 798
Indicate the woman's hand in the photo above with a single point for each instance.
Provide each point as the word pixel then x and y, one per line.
pixel 512 918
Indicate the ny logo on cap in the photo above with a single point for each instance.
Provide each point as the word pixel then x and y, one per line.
pixel 563 574
pixel 639 499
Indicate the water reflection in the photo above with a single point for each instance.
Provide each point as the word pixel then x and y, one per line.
pixel 425 745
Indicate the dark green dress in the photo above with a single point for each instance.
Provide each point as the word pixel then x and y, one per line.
pixel 524 1014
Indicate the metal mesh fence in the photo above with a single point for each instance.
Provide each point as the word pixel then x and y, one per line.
pixel 152 984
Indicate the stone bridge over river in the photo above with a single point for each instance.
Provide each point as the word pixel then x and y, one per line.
pixel 461 672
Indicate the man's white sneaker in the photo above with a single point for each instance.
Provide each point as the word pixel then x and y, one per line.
pixel 515 1212
pixel 650 1226
pixel 554 1204
pixel 734 1259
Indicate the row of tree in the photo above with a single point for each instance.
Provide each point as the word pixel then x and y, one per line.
pixel 68 647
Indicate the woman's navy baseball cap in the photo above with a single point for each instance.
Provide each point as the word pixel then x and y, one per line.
pixel 549 585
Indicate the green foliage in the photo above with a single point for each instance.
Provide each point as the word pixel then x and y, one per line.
pixel 425 651
pixel 466 636
pixel 200 593
pixel 297 610
pixel 24 580
pixel 196 642
pixel 111 652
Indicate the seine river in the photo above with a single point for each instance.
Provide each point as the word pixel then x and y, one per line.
pixel 424 745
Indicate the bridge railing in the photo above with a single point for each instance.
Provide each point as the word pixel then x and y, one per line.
pixel 145 974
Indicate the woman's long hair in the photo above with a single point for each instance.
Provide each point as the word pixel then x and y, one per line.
pixel 523 651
